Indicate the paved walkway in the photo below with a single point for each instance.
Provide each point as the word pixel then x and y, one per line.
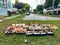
pixel 39 17
pixel 11 17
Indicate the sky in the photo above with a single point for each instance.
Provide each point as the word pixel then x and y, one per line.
pixel 33 3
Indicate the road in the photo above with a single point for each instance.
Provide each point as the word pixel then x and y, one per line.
pixel 39 17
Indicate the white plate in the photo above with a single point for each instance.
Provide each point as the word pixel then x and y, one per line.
pixel 43 33
pixel 50 32
pixel 36 33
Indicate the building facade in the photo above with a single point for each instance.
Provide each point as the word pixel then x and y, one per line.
pixel 6 4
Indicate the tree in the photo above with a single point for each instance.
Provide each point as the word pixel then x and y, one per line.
pixel 34 10
pixel 56 3
pixel 19 5
pixel 27 7
pixel 40 8
pixel 22 7
pixel 49 3
pixel 9 13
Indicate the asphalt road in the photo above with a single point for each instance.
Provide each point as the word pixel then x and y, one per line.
pixel 39 17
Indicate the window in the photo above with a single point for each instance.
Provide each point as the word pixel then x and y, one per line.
pixel 5 0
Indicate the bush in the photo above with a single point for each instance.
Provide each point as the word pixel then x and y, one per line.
pixel 21 11
pixel 41 12
pixel 9 13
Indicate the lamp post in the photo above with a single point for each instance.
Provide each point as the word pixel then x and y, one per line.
pixel 53 5
pixel 36 7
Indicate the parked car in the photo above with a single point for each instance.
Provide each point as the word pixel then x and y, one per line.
pixel 27 13
pixel 13 11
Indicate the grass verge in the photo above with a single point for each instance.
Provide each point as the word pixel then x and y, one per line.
pixel 33 40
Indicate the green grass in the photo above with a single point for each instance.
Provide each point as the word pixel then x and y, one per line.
pixel 33 40
pixel 58 16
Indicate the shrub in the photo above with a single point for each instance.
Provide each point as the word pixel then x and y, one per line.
pixel 9 13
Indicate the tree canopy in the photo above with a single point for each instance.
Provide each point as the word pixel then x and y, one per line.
pixel 40 7
pixel 27 7
pixel 24 7
pixel 34 10
pixel 50 2
pixel 19 5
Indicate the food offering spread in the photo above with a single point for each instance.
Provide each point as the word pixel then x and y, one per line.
pixel 32 29
pixel 45 29
pixel 16 28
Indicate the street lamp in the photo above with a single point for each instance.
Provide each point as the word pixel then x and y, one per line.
pixel 36 7
pixel 53 5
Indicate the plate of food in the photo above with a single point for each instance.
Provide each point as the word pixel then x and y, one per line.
pixel 50 32
pixel 29 33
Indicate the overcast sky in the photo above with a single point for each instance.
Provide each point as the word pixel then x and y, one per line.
pixel 33 3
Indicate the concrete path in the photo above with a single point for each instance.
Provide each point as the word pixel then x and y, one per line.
pixel 39 17
pixel 11 17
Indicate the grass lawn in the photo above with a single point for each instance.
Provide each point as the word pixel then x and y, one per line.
pixel 33 40
pixel 58 16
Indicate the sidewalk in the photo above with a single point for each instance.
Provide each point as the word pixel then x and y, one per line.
pixel 11 17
